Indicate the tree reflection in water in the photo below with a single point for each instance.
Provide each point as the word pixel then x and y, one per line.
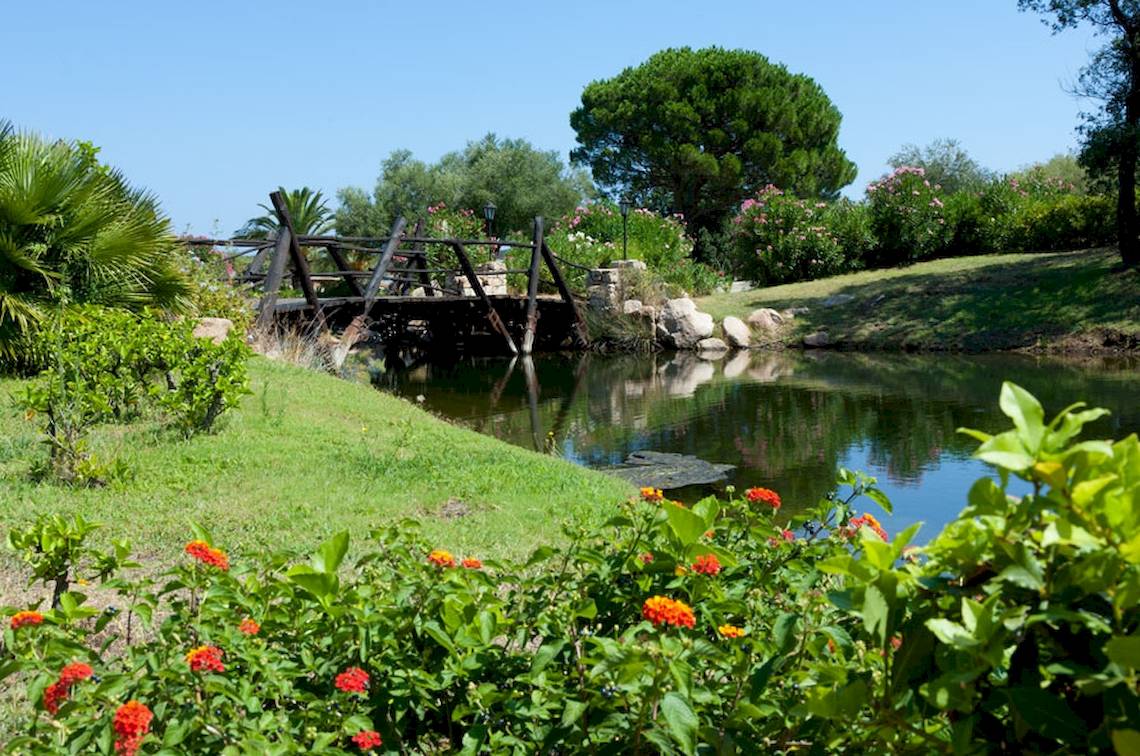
pixel 787 420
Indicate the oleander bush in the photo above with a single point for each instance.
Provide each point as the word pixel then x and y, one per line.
pixel 780 238
pixel 728 627
pixel 908 217
pixel 106 365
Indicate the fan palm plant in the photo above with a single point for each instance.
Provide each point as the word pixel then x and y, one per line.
pixel 73 232
pixel 308 209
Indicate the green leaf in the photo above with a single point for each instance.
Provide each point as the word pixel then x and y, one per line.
pixel 688 527
pixel 545 655
pixel 785 632
pixel 321 585
pixel 681 720
pixel 879 498
pixel 876 613
pixel 1005 451
pixel 1026 412
pixel 1124 650
pixel 951 633
pixel 1126 742
pixel 1046 714
pixel 331 553
pixel 573 712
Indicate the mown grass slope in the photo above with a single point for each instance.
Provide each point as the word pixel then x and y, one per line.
pixel 304 456
pixel 1072 301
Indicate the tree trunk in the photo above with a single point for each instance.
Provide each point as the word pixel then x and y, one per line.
pixel 1128 235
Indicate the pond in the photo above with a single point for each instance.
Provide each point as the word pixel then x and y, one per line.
pixel 784 420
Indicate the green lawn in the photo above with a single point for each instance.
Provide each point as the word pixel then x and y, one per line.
pixel 1067 301
pixel 307 455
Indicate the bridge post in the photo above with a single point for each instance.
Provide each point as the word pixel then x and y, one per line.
pixel 532 288
pixel 299 262
pixel 272 283
pixel 382 266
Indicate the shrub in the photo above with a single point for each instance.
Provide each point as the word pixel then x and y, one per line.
pixel 985 220
pixel 592 236
pixel 725 626
pixel 107 365
pixel 213 292
pixel 1068 221
pixel 73 231
pixel 781 238
pixel 850 223
pixel 908 217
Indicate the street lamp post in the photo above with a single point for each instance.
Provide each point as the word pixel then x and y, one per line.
pixel 624 205
pixel 489 216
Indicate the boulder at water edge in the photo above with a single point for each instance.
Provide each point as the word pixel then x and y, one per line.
pixel 736 333
pixel 681 326
pixel 766 319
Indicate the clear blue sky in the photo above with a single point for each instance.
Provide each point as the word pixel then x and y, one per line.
pixel 212 104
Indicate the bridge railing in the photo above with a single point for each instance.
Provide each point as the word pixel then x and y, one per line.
pixel 403 263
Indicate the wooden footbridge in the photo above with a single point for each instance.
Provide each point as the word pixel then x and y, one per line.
pixel 409 289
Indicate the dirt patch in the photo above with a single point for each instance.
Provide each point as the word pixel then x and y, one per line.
pixel 453 509
pixel 1094 341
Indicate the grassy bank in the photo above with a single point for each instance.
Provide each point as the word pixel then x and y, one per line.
pixel 304 456
pixel 1071 301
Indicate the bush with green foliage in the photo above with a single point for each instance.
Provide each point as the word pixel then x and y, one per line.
pixel 726 627
pixel 1068 221
pixel 72 230
pixel 781 238
pixel 908 217
pixel 591 236
pixel 110 366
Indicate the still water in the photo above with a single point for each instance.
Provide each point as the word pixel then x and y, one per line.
pixel 785 420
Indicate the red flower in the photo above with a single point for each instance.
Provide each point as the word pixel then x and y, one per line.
pixel 22 619
pixel 662 610
pixel 352 680
pixel 366 740
pixel 249 627
pixel 472 563
pixel 646 558
pixel 208 555
pixel 74 672
pixel 54 695
pixel 866 519
pixel 788 535
pixel 206 659
pixel 441 558
pixel 765 495
pixel 131 724
pixel 707 564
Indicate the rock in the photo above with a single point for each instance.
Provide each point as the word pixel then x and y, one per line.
pixel 668 471
pixel 682 325
pixel 214 329
pixel 817 340
pixel 791 312
pixel 738 287
pixel 633 264
pixel 766 319
pixel 631 307
pixel 711 349
pixel 736 333
pixel 837 299
pixel 600 276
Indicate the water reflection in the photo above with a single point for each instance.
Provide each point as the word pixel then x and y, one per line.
pixel 786 419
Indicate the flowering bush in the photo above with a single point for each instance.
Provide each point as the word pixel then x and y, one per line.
pixel 1012 631
pixel 908 217
pixel 780 238
pixel 591 236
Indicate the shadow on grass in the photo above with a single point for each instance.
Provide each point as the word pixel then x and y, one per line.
pixel 1000 305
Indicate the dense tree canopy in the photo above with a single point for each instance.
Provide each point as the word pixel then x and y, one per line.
pixel 708 128
pixel 519 179
pixel 946 163
pixel 1112 134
